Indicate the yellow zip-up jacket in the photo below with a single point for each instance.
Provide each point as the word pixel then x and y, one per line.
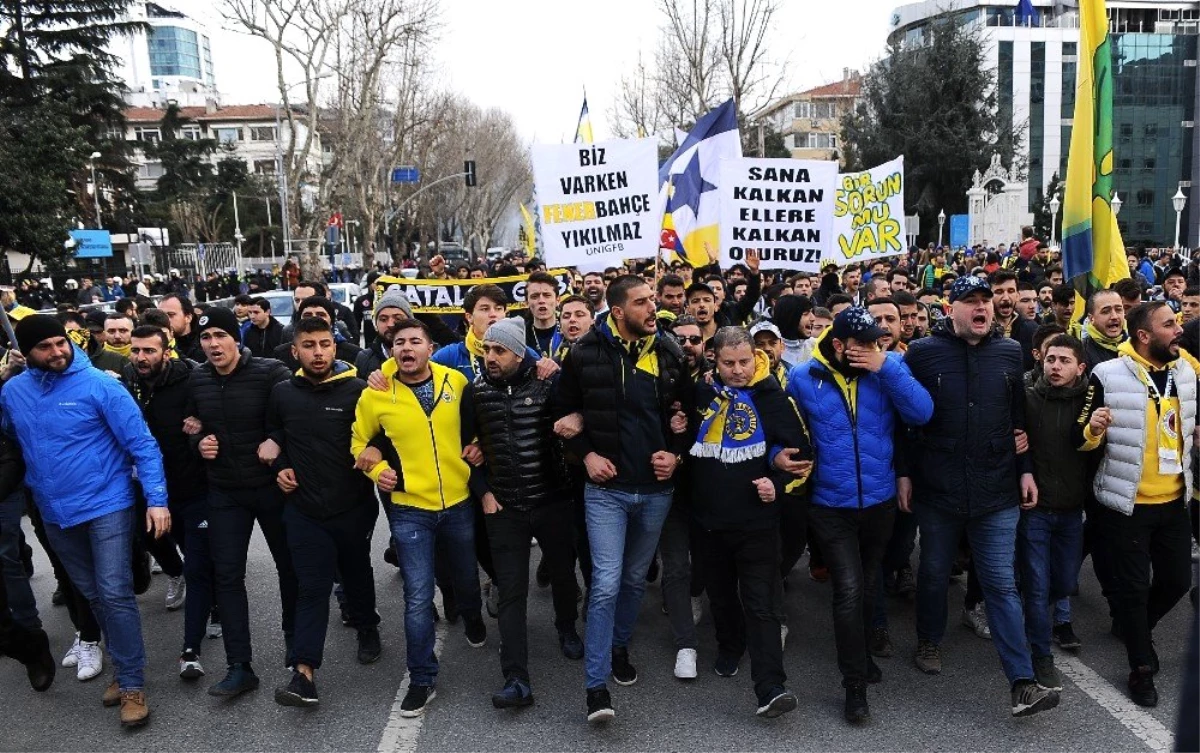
pixel 433 474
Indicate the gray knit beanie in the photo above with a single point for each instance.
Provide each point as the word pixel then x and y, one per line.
pixel 508 334
pixel 396 300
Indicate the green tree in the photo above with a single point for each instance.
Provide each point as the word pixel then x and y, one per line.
pixel 1042 216
pixel 55 69
pixel 936 105
pixel 186 163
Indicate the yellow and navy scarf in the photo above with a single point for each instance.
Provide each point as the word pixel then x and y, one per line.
pixel 1103 340
pixel 641 351
pixel 731 430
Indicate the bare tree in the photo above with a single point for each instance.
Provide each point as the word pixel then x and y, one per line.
pixel 709 50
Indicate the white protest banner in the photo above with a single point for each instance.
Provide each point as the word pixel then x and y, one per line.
pixel 781 208
pixel 598 203
pixel 868 214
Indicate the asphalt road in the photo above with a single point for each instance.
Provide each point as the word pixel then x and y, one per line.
pixel 965 708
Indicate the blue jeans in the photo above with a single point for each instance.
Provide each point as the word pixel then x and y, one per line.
pixel 993 540
pixel 623 531
pixel 1049 550
pixel 20 595
pixel 415 533
pixel 97 556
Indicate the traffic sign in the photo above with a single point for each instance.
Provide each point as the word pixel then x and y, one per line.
pixel 406 174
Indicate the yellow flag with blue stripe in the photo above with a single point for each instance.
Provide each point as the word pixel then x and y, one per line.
pixel 1092 250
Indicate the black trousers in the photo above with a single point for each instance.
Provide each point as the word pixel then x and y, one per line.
pixel 741 571
pixel 1155 538
pixel 166 548
pixel 854 541
pixel 231 517
pixel 509 531
pixel 583 548
pixel 319 548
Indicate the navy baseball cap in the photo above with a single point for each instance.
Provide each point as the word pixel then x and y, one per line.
pixel 856 323
pixel 965 286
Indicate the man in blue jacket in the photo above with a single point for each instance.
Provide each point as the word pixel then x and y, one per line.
pixel 969 476
pixel 78 429
pixel 849 395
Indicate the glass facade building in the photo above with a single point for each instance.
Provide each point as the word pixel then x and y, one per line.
pixel 174 52
pixel 1154 49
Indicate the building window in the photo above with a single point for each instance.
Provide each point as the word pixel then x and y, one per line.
pixel 228 135
pixel 1126 131
pixel 149 135
pixel 174 51
pixel 1145 197
pixel 262 133
pixel 815 110
pixel 1149 163
pixel 264 167
pixel 191 133
pixel 150 171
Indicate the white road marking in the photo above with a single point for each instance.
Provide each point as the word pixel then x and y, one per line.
pixel 1141 723
pixel 401 735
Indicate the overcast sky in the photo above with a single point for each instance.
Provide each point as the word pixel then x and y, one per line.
pixel 534 57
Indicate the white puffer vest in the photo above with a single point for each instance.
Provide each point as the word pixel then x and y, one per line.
pixel 1120 471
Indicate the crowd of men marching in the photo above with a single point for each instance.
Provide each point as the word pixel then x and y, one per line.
pixel 721 424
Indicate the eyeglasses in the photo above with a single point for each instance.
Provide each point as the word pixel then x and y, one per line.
pixel 690 339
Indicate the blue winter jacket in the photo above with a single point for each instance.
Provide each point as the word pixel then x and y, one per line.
pixel 852 465
pixel 81 434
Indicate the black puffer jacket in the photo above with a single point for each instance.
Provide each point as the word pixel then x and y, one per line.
pixel 964 461
pixel 234 408
pixel 164 403
pixel 1060 469
pixel 311 423
pixel 515 423
pixel 592 382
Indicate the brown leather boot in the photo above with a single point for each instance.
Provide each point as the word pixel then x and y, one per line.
pixel 134 710
pixel 112 694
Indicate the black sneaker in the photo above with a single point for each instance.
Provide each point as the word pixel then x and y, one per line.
pixel 906 584
pixel 189 665
pixel 726 665
pixel 1141 687
pixel 58 598
pixel 389 556
pixel 777 702
pixel 475 630
pixel 239 679
pixel 1045 673
pixel 1028 698
pixel 622 671
pixel 874 673
pixel 599 705
pixel 346 619
pixel 570 643
pixel 369 647
pixel 1064 636
pixel 881 643
pixel 516 693
pixel 857 709
pixel 301 692
pixel 416 699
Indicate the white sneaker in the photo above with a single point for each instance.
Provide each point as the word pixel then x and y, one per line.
pixel 697 609
pixel 685 664
pixel 214 629
pixel 71 658
pixel 176 593
pixel 976 619
pixel 783 633
pixel 91 661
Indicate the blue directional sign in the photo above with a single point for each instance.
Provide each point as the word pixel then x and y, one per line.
pixel 92 244
pixel 960 230
pixel 406 174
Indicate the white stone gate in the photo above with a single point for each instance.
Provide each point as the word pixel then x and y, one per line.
pixel 996 206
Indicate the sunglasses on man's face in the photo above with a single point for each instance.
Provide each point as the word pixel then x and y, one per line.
pixel 690 339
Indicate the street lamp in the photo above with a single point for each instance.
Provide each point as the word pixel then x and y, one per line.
pixel 941 223
pixel 96 187
pixel 1055 205
pixel 1180 201
pixel 1116 203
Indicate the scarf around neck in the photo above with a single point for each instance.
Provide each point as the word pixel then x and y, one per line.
pixel 731 430
pixel 1103 340
pixel 124 350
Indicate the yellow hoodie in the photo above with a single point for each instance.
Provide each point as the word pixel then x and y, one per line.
pixel 434 474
